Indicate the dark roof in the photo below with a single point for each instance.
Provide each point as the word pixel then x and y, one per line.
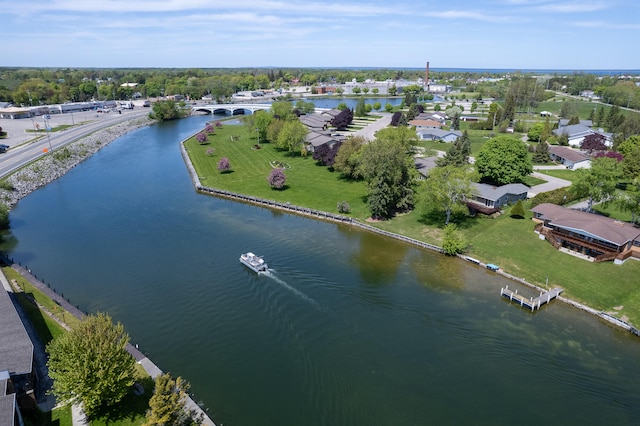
pixel 314 121
pixel 16 349
pixel 494 193
pixel 317 139
pixel 599 226
pixel 424 164
pixel 7 409
pixel 567 153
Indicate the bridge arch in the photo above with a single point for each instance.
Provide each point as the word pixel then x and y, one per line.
pixel 232 109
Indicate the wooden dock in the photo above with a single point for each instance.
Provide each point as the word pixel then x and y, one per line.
pixel 531 303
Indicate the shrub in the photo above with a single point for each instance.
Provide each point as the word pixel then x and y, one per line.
pixel 453 242
pixel 558 196
pixel 517 211
pixel 344 207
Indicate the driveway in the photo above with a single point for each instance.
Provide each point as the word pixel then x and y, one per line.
pixel 550 184
pixel 370 130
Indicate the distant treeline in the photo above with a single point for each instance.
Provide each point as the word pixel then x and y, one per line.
pixel 34 86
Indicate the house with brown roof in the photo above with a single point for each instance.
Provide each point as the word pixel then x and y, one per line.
pixel 571 158
pixel 596 237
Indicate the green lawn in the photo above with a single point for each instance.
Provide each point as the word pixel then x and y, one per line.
pixel 308 184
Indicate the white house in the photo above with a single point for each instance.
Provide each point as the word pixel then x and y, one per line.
pixel 571 158
pixel 577 132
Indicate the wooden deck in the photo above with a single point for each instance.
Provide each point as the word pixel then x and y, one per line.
pixel 531 303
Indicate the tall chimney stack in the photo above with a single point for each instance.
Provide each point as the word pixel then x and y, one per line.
pixel 426 77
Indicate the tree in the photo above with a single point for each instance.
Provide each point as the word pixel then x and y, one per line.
pixel 343 119
pixel 541 154
pixel 277 179
pixel 631 163
pixel 448 187
pixel 292 137
pixel 453 242
pixel 377 106
pixel 389 172
pixel 598 183
pixel 202 138
pixel 503 160
pixel 90 364
pixel 630 200
pixel 168 404
pixel 535 132
pixel 396 118
pixel 458 153
pixel 347 160
pixel 224 165
pixel 593 142
pixel 360 110
pixel 282 109
pixel 165 110
pixel 403 135
pixel 388 107
pixel 393 90
pixel 517 210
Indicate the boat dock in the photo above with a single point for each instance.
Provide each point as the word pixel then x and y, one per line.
pixel 531 303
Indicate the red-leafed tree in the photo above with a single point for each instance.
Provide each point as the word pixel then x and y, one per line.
pixel 594 142
pixel 343 119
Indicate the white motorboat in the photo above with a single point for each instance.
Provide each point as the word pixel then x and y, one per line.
pixel 254 262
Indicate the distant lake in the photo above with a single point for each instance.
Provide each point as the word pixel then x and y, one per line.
pixel 350 328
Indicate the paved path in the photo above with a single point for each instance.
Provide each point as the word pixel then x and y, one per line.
pixel 550 184
pixel 370 130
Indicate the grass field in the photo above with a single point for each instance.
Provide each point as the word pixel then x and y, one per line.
pixel 510 243
pixel 308 184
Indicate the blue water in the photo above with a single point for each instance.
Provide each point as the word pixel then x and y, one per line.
pixel 349 328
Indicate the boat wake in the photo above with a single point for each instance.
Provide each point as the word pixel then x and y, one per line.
pixel 270 273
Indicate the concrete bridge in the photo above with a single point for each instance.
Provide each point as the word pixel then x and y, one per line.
pixel 232 109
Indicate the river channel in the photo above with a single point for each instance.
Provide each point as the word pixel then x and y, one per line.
pixel 350 328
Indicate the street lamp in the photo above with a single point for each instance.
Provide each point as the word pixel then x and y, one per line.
pixel 258 132
pixel 46 128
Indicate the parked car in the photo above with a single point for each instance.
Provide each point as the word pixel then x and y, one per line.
pixel 3 148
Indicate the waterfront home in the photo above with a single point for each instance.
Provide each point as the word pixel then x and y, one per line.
pixel 592 236
pixel 569 157
pixel 489 199
pixel 17 378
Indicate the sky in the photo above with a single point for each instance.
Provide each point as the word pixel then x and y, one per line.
pixel 507 34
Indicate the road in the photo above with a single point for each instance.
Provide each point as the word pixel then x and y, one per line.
pixel 26 147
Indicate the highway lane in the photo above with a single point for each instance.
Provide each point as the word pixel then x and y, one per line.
pixel 21 155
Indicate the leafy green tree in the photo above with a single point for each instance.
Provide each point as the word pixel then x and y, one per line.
pixel 600 116
pixel 453 242
pixel 377 106
pixel 567 109
pixel 388 107
pixel 393 90
pixel 448 187
pixel 292 137
pixel 404 136
pixel 535 132
pixel 90 364
pixel 631 163
pixel 168 404
pixel 260 124
pixel 503 159
pixel 273 131
pixel 356 90
pixel 598 183
pixel 347 160
pixel 630 200
pixel 4 216
pixel 390 173
pixel 165 110
pixel 282 110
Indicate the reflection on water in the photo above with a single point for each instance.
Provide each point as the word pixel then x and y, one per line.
pixel 352 328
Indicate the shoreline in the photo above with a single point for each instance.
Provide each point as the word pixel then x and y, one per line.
pixel 46 169
pixel 331 217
